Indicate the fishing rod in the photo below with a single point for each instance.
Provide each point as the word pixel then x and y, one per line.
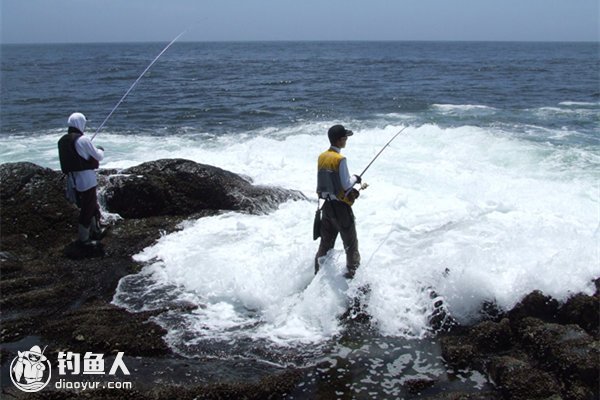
pixel 135 83
pixel 352 193
pixel 382 149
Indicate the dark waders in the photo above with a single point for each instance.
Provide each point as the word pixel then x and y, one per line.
pixel 339 218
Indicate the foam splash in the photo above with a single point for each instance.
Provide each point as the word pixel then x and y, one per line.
pixel 468 213
pixel 472 214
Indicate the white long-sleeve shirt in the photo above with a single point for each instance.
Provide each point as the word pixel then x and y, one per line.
pixel 85 180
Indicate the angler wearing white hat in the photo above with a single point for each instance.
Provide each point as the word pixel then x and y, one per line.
pixel 79 159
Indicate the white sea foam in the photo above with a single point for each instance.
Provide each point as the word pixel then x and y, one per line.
pixel 458 108
pixel 468 213
pixel 581 110
pixel 579 103
pixel 503 216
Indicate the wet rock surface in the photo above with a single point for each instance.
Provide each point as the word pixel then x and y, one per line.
pixel 181 187
pixel 49 298
pixel 540 349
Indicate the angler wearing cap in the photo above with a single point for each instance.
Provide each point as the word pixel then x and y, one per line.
pixel 335 186
pixel 79 159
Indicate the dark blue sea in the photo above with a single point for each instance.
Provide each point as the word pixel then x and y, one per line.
pixel 490 192
pixel 224 88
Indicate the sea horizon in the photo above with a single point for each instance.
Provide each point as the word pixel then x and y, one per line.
pixel 183 40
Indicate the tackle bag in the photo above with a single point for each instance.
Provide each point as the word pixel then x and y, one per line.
pixel 317 224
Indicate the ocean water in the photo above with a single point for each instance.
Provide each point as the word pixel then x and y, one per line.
pixel 491 191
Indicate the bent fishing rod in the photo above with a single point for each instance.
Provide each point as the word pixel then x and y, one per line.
pixel 135 83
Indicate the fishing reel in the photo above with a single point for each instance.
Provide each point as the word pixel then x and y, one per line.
pixel 354 193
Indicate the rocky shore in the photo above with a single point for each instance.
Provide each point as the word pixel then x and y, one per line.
pixel 538 350
pixel 54 294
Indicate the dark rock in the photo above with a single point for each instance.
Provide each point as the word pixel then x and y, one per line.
pixel 107 329
pixel 35 213
pixel 16 177
pixel 577 391
pixel 416 385
pixel 582 310
pixel 9 262
pixel 181 187
pixel 517 379
pixel 534 305
pixel 21 284
pixel 77 251
pixel 490 311
pixel 458 351
pixel 482 395
pixel 528 354
pixel 565 349
pixel 356 320
pixel 270 387
pixel 134 196
pixel 440 319
pixel 34 297
pixel 4 355
pixel 184 306
pixel 492 336
pixel 357 308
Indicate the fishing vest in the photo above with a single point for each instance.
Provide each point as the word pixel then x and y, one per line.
pixel 328 176
pixel 70 160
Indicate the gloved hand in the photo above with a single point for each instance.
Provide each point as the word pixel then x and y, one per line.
pixel 353 195
pixel 100 148
pixel 358 179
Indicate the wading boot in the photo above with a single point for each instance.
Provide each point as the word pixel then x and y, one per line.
pixel 97 232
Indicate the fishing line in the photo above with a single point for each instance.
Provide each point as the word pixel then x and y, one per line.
pixel 392 229
pixel 136 81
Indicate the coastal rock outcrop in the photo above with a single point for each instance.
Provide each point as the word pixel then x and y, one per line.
pixel 36 215
pixel 34 212
pixel 540 349
pixel 180 187
pixel 66 302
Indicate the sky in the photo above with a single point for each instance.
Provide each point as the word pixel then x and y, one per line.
pixel 66 21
